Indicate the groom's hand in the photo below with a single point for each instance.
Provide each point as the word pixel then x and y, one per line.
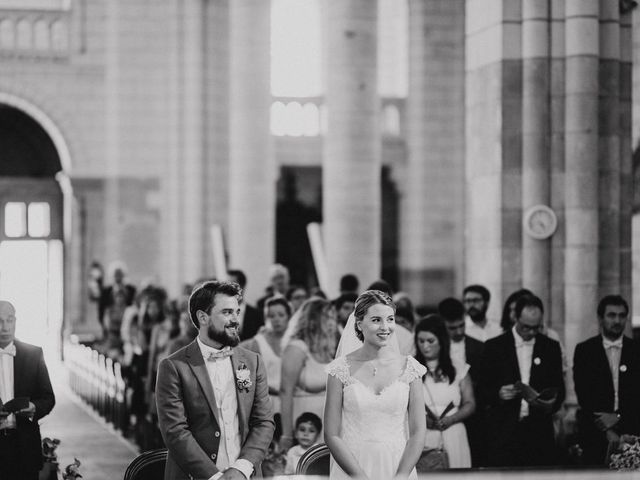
pixel 233 474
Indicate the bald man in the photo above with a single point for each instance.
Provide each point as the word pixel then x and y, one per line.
pixel 23 375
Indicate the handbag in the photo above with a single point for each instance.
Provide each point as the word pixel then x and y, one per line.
pixel 434 458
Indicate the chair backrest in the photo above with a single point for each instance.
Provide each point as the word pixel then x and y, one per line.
pixel 314 461
pixel 147 466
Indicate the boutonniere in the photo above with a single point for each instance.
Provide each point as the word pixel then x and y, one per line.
pixel 623 368
pixel 243 377
pixel 537 361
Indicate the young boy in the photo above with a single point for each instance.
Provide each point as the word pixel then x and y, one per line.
pixel 308 428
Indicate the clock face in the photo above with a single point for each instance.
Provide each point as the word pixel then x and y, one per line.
pixel 540 222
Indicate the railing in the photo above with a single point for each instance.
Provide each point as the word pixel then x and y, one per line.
pixel 98 381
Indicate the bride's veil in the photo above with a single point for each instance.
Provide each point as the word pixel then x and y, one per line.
pixel 349 341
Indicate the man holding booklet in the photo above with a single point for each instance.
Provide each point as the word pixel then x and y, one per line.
pixel 522 384
pixel 25 397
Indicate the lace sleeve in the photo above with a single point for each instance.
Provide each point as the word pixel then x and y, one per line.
pixel 413 370
pixel 339 369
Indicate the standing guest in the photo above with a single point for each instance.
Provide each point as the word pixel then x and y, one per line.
pixel 118 274
pixel 465 350
pixel 23 374
pixel 308 428
pixel 446 387
pixel 268 343
pixel 213 399
pixel 250 318
pixel 381 285
pixel 188 334
pixel 349 283
pixel 374 416
pixel 344 305
pixel 113 316
pixel 303 379
pixel 95 286
pixel 522 385
pixel 476 300
pixel 508 319
pixel 606 374
pixel 278 284
pixel 296 295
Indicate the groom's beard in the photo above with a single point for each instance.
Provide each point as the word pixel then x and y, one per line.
pixel 224 336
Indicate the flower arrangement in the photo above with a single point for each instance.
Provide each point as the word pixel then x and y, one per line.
pixel 72 471
pixel 627 455
pixel 243 378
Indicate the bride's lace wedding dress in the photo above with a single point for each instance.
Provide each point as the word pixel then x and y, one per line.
pixel 374 425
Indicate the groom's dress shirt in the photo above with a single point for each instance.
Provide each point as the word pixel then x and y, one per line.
pixel 613 349
pixel 220 373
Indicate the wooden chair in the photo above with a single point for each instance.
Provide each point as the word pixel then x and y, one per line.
pixel 314 461
pixel 147 466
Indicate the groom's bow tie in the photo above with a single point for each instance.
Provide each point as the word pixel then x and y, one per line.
pixel 10 350
pixel 225 352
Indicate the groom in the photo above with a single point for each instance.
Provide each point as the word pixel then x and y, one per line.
pixel 214 410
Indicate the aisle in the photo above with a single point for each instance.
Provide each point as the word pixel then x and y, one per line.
pixel 104 453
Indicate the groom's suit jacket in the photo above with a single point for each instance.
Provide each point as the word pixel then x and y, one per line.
pixel 187 413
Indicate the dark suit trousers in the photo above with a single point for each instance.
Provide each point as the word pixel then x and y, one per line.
pixel 11 468
pixel 529 442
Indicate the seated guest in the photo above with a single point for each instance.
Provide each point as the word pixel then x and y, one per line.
pixel 606 374
pixel 522 385
pixel 308 428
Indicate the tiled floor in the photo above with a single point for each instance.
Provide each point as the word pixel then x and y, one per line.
pixel 103 453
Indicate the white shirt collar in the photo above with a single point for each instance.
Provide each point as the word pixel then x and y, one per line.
pixel 206 350
pixel 11 348
pixel 520 342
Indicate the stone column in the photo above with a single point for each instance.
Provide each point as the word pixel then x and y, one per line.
pixel 252 178
pixel 431 231
pixel 493 239
pixel 351 157
pixel 192 142
pixel 536 38
pixel 625 106
pixel 581 169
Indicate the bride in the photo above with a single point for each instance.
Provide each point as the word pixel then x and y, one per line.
pixel 370 390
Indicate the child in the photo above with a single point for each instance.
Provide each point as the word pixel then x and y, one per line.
pixel 308 428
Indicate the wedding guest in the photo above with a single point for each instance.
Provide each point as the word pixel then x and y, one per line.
pixel 344 305
pixel 118 272
pixel 606 373
pixel 522 385
pixel 278 285
pixel 349 283
pixel 476 300
pixel 448 392
pixel 303 379
pixel 268 343
pixel 250 319
pixel 307 432
pixel 296 295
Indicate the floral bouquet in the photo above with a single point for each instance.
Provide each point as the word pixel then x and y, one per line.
pixel 627 454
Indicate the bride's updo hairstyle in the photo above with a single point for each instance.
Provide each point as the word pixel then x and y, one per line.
pixel 368 299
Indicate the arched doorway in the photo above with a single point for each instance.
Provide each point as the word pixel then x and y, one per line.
pixel 31 227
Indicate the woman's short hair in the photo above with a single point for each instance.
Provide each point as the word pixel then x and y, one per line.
pixel 366 300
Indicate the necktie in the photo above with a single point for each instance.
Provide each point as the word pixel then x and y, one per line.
pixel 10 350
pixel 225 352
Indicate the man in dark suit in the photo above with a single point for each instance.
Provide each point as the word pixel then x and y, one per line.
pixel 213 402
pixel 108 293
pixel 465 349
pixel 606 374
pixel 250 318
pixel 23 375
pixel 521 384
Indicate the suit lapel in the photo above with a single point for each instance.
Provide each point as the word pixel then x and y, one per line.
pixel 512 357
pixel 538 353
pixel 237 359
pixel 196 362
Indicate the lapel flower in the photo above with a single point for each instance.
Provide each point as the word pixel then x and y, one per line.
pixel 243 377
pixel 537 361
pixel 623 368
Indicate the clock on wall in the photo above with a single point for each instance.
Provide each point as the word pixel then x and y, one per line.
pixel 540 222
